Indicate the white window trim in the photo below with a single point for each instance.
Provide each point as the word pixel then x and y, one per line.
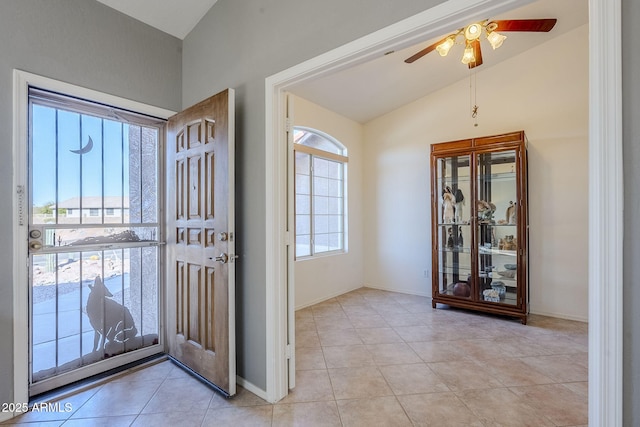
pixel 605 184
pixel 326 155
pixel 21 82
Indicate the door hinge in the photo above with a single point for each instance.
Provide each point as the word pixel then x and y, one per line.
pixel 288 351
pixel 287 124
pixel 20 190
pixel 287 238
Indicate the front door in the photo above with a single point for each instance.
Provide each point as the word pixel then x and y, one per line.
pixel 201 240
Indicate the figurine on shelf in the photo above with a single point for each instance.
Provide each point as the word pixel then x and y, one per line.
pixel 512 213
pixel 485 210
pixel 460 239
pixel 458 205
pixel 450 238
pixel 448 201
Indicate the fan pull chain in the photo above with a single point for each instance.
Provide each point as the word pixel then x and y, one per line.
pixel 473 96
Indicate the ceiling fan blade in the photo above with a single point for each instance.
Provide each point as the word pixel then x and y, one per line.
pixel 477 52
pixel 533 25
pixel 424 51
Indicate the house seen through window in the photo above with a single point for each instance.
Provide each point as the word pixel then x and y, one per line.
pixel 320 179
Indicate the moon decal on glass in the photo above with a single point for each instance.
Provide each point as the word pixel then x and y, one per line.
pixel 85 149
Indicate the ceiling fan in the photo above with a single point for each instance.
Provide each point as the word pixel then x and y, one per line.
pixel 472 55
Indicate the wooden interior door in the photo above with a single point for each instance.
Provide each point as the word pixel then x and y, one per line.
pixel 201 241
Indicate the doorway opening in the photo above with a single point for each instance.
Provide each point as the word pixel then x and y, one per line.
pixel 605 351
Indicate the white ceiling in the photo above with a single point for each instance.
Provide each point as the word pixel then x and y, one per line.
pixel 176 17
pixel 369 90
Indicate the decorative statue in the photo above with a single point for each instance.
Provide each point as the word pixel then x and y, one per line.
pixel 485 210
pixel 512 213
pixel 458 205
pixel 448 202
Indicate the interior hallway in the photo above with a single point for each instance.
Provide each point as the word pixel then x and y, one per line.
pixel 368 358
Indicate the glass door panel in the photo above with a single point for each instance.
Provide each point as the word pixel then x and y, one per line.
pixel 497 231
pixel 453 226
pixel 94 236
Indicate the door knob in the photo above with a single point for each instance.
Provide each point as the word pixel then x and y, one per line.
pixel 223 258
pixel 36 246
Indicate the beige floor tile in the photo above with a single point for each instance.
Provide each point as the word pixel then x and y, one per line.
pixel 520 346
pixel 107 402
pixel 157 371
pixel 350 298
pixel 307 339
pixel 57 423
pixel 351 383
pixel 387 308
pixel 256 416
pixel 171 419
pixel 309 358
pixel 359 310
pixel 179 395
pixel 581 388
pixel 327 310
pixel 559 403
pixel 412 379
pixel 305 324
pixel 418 333
pixel 311 386
pixel 560 343
pixel 438 410
pixel 317 414
pixel 439 351
pixel 378 411
pixel 464 375
pixel 243 397
pixel 339 337
pixel 122 421
pixel 333 323
pixel 304 313
pixel 393 354
pixel 378 335
pixel 368 321
pixel 346 356
pixel 562 368
pixel 480 349
pixel 514 372
pixel 501 407
pixel 404 319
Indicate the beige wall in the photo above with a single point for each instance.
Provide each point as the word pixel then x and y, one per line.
pixel 545 93
pixel 318 279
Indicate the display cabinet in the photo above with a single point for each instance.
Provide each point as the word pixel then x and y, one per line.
pixel 480 224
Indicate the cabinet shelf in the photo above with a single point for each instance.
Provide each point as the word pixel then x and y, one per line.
pixel 487 170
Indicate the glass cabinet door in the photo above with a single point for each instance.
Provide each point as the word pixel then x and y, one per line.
pixel 497 227
pixel 453 225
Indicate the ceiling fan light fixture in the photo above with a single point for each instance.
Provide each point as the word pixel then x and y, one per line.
pixel 468 56
pixel 444 47
pixel 495 39
pixel 473 32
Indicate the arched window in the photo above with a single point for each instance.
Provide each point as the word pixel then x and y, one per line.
pixel 320 187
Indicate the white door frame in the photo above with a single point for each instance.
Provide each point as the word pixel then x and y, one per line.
pixel 605 183
pixel 21 82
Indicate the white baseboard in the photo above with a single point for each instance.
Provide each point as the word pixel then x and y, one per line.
pixel 327 297
pixel 5 416
pixel 252 388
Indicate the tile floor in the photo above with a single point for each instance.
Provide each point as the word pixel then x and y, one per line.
pixel 373 358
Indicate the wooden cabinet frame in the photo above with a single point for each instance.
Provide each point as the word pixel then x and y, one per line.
pixel 481 251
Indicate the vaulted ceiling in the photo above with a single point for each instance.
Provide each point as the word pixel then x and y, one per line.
pixel 369 90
